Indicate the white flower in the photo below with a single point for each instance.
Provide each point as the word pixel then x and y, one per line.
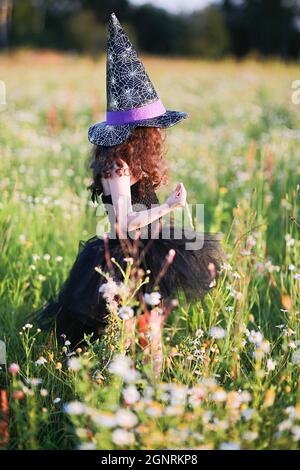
pixel 296 433
pixel 292 267
pixel 126 418
pixel 102 418
pixel 109 290
pixel 22 238
pixel 41 361
pixel 297 277
pixel 199 333
pixel 74 407
pixel 131 395
pixel 296 357
pixel 67 343
pixel 74 364
pixel 46 257
pixel 255 337
pixel 219 395
pixel 289 240
pixel 28 326
pixel 58 259
pixel 285 425
pixel 126 312
pixel 250 436
pixel 44 392
pixel 217 333
pixel 122 366
pixel 271 365
pixel 121 437
pixel 152 299
pixel 230 446
pixel 56 400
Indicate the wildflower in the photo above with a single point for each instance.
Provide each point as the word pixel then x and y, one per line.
pixel 14 369
pixel 121 437
pixel 199 333
pixel 236 275
pixel 109 290
pixel 152 299
pixel 289 240
pixel 34 382
pixel 102 418
pixel 28 326
pixel 173 410
pixel 297 277
pixel 217 333
pixel 296 433
pixel 292 267
pixel 125 313
pixel 126 418
pixel 154 409
pixel 74 364
pixel 67 343
pixel 74 408
pixel 131 395
pixel 122 366
pixel 41 361
pixel 285 425
pixel 46 257
pixel 250 436
pixel 58 259
pixel 22 238
pixel 255 337
pixel 219 395
pixel 271 365
pixel 58 366
pixel 56 400
pixel 296 357
pixel 44 392
pixel 229 309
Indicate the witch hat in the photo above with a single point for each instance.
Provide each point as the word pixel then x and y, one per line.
pixel 131 97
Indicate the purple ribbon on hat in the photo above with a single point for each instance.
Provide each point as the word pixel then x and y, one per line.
pixel 148 111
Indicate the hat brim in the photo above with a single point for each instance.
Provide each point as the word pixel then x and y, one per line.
pixel 108 135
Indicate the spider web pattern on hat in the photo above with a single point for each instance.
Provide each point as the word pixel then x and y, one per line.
pixel 128 85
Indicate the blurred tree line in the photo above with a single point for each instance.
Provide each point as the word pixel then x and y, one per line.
pixel 238 27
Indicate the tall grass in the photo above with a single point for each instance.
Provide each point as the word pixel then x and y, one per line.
pixel 231 364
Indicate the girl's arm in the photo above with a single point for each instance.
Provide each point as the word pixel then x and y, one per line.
pixel 131 220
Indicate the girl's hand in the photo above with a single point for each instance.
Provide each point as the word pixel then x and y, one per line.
pixel 178 197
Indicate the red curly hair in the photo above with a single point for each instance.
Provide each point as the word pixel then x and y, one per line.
pixel 143 152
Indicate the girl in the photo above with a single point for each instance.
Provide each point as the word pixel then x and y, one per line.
pixel 128 167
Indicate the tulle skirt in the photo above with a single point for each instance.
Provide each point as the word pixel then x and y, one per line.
pixel 80 307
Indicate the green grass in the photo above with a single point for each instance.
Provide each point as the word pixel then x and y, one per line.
pixel 238 154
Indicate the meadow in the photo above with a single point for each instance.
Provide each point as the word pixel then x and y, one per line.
pixel 230 376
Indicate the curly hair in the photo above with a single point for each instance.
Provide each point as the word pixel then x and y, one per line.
pixel 143 152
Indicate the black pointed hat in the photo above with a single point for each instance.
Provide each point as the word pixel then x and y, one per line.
pixel 131 97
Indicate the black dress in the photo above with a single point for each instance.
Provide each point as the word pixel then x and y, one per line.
pixel 80 307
